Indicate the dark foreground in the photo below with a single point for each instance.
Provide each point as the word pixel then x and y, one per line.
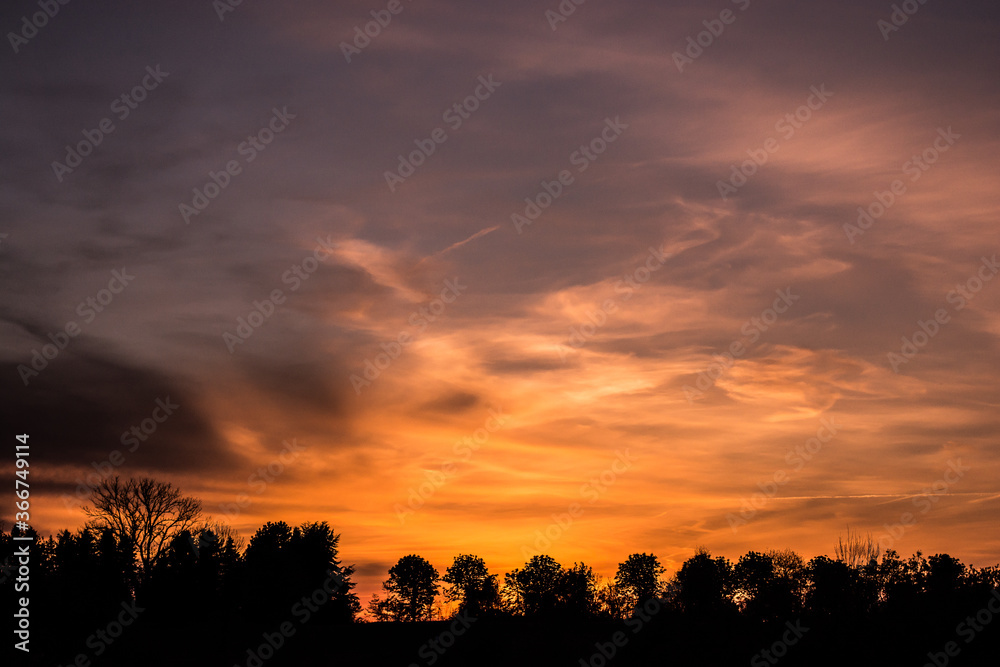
pixel 661 638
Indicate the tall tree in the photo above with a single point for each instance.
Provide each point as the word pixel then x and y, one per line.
pixel 116 566
pixel 577 591
pixel 639 578
pixel 411 588
pixel 705 583
pixel 142 512
pixel 533 589
pixel 313 550
pixel 472 586
pixel 838 590
pixel 763 590
pixel 268 590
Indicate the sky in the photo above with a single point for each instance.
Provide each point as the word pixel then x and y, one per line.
pixel 510 278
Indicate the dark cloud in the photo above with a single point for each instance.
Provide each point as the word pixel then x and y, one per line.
pixel 505 340
pixel 86 403
pixel 458 401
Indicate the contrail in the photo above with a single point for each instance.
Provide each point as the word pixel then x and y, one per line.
pixel 897 496
pixel 481 232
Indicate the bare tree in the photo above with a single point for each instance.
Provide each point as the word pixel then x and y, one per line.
pixel 855 550
pixel 143 513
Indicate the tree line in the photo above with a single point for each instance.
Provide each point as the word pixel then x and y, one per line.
pixel 148 544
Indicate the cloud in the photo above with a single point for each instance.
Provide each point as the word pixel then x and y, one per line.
pixel 505 342
pixel 85 404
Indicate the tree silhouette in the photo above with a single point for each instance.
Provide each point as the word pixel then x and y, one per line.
pixel 614 601
pixel 576 591
pixel 312 551
pixel 222 533
pixel 172 584
pixel 379 609
pixel 197 566
pixel 639 578
pixel 267 544
pixel 766 591
pixel 268 590
pixel 315 566
pixel 838 590
pixel 202 588
pixel 284 564
pixel 116 566
pixel 856 550
pixel 544 588
pixel 897 582
pixel 75 561
pixel 944 573
pixel 411 588
pixel 705 584
pixel 472 586
pixel 532 590
pixel 142 512
pixel 789 567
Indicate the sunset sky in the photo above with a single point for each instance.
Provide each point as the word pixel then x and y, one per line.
pixel 647 342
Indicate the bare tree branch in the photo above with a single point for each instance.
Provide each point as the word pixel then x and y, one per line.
pixel 855 550
pixel 143 512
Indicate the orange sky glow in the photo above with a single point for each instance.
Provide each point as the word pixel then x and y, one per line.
pixel 645 366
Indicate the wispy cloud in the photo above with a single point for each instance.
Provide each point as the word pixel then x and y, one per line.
pixel 459 244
